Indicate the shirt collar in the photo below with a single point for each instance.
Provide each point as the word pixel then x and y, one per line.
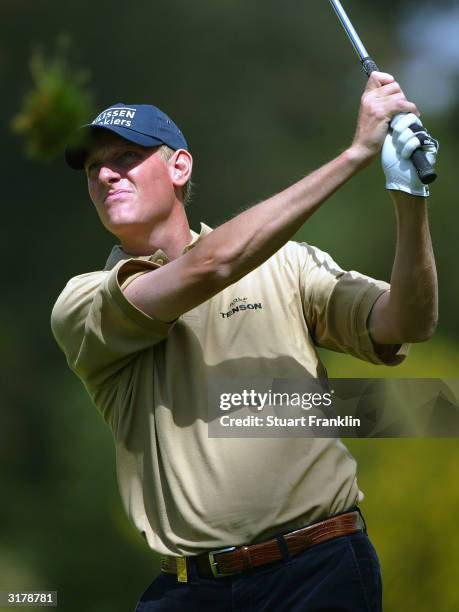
pixel 159 257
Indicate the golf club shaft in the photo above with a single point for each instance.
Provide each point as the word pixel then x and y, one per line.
pixel 423 167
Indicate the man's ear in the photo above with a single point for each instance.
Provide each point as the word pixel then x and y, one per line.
pixel 180 167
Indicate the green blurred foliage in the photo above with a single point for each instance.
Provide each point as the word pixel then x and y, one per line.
pixel 264 94
pixel 59 103
pixel 411 501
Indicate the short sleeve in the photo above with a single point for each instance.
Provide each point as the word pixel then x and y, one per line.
pixel 98 329
pixel 337 306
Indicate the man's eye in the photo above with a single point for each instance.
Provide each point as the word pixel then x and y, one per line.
pixel 129 156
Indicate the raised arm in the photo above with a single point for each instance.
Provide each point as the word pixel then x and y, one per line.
pixel 409 312
pixel 240 245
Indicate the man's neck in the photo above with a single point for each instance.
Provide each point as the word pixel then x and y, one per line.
pixel 170 236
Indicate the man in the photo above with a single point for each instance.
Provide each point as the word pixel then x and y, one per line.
pixel 260 524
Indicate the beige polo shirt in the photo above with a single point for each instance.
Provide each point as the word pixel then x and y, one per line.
pixel 186 492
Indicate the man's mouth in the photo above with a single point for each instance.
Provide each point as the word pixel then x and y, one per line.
pixel 117 194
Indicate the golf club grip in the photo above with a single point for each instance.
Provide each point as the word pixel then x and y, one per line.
pixel 424 168
pixel 369 66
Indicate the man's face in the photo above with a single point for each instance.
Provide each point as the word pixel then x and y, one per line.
pixel 130 185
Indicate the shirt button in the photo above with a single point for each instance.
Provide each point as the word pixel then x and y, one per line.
pixel 160 261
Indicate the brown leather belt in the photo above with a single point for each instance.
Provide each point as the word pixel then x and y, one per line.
pixel 233 560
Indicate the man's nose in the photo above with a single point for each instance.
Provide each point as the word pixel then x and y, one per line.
pixel 108 174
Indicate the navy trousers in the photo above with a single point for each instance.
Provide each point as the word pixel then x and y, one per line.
pixel 340 575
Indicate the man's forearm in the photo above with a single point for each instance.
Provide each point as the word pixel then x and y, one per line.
pixel 240 245
pixel 246 241
pixel 409 313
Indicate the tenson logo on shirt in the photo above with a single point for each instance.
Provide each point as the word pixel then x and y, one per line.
pixel 239 305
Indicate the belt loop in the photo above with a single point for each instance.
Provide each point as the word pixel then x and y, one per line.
pixel 283 547
pixel 193 571
pixel 363 520
pixel 246 558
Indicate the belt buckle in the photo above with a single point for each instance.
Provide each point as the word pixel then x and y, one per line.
pixel 214 563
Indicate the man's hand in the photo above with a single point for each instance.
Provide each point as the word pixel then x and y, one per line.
pixel 382 99
pixel 397 150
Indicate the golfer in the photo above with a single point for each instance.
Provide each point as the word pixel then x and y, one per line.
pixel 265 524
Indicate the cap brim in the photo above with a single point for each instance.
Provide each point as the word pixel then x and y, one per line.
pixel 75 155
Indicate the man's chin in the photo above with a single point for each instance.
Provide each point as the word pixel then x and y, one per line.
pixel 122 227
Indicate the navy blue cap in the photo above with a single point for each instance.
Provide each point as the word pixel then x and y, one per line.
pixel 142 124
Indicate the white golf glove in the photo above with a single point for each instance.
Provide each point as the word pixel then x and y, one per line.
pixel 400 143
